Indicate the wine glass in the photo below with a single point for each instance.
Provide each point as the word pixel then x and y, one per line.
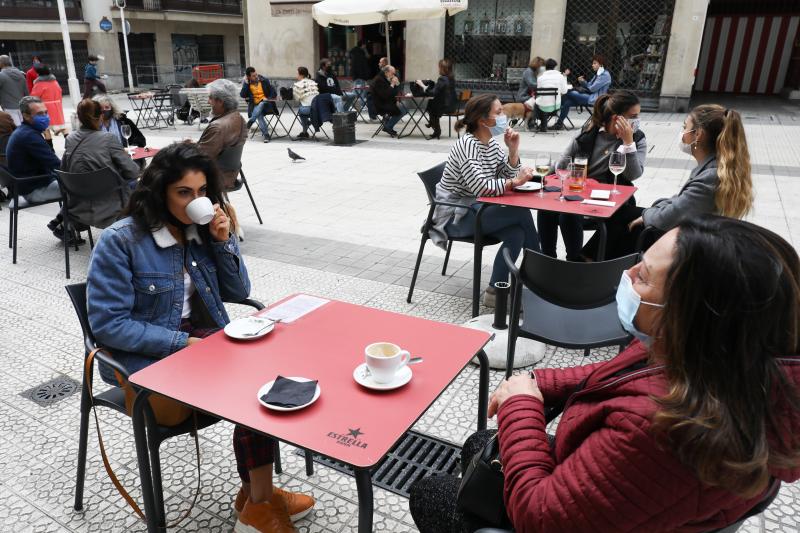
pixel 542 168
pixel 616 164
pixel 563 171
pixel 125 129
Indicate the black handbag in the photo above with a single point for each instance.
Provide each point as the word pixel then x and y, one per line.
pixel 481 491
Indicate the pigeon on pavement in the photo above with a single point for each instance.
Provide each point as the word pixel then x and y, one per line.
pixel 294 157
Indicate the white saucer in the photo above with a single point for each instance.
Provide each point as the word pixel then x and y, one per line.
pixel 267 386
pixel 529 186
pixel 238 328
pixel 364 378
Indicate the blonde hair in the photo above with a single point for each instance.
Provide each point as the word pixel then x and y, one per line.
pixel 725 131
pixel 536 62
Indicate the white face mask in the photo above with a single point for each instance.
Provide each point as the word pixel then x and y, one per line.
pixel 685 147
pixel 634 122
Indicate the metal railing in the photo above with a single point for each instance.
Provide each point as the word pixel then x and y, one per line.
pixel 38 9
pixel 232 7
pixel 147 76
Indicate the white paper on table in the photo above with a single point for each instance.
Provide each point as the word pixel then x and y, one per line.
pixel 601 194
pixel 294 308
pixel 599 202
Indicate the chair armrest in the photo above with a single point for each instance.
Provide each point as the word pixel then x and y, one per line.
pixel 106 358
pixel 252 303
pixel 30 178
pixel 511 265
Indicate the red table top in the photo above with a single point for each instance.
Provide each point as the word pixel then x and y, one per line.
pixel 550 202
pixel 139 153
pixel 348 422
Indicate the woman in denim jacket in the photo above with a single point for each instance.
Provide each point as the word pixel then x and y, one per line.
pixel 157 283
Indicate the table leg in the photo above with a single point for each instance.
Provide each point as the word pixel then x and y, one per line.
pixel 294 120
pixel 602 236
pixel 476 261
pixel 364 486
pixel 483 390
pixel 143 457
pixel 410 114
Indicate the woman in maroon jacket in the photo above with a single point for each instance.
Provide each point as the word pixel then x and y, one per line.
pixel 688 428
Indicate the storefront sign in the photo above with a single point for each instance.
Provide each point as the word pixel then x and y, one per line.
pixel 290 10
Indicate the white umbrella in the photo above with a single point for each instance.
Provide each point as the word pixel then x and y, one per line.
pixel 360 12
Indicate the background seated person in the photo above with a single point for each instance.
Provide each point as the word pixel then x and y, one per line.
pixel 112 120
pixel 385 88
pixel 444 96
pixel 478 166
pixel 328 83
pixel 588 93
pixel 153 246
pixel 256 89
pixel 542 106
pixel 90 149
pixel 686 429
pixel 304 91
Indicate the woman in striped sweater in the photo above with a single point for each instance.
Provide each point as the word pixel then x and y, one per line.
pixel 478 166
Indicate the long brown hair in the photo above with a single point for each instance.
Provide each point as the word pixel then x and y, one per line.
pixel 732 306
pixel 446 68
pixel 89 112
pixel 608 105
pixel 477 108
pixel 725 137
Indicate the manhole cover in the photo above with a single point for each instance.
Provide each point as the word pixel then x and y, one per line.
pixel 52 391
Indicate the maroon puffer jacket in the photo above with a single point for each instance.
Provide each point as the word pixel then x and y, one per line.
pixel 608 472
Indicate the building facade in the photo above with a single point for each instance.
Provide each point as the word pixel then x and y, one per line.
pixel 166 38
pixel 661 49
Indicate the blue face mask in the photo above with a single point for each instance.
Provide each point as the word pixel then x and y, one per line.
pixel 500 125
pixel 628 301
pixel 41 122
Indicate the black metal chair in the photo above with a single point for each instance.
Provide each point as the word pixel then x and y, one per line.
pixel 551 93
pixel 759 508
pixel 566 304
pixel 163 110
pixel 87 188
pixel 12 183
pixel 231 159
pixel 430 178
pixel 114 398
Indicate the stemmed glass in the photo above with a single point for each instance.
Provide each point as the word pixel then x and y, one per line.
pixel 542 168
pixel 564 171
pixel 126 132
pixel 616 164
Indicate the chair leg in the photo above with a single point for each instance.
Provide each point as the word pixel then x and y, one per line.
pixel 252 201
pixel 447 257
pixel 83 438
pixel 91 239
pixel 276 458
pixel 416 267
pixel 513 327
pixel 16 223
pixel 155 470
pixel 309 463
pixel 11 224
pixel 586 352
pixel 66 243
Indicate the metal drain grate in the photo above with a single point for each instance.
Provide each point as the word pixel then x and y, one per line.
pixel 414 457
pixel 51 392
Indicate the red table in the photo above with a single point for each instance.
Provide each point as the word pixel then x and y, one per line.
pixel 221 376
pixel 550 202
pixel 141 153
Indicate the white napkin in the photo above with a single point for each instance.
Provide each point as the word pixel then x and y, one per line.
pixel 292 309
pixel 599 202
pixel 601 194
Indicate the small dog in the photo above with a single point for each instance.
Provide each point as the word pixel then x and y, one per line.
pixel 516 113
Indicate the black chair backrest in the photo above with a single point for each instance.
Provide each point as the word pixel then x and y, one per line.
pixel 573 285
pixel 430 178
pixel 94 185
pixel 6 178
pixel 546 91
pixel 230 158
pixel 77 293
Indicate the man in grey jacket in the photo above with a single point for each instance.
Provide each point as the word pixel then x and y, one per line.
pixel 12 88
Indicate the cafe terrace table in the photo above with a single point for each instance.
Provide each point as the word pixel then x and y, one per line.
pixel 144 106
pixel 550 202
pixel 141 153
pixel 274 120
pixel 348 423
pixel 416 112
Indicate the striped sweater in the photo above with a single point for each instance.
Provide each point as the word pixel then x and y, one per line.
pixel 473 169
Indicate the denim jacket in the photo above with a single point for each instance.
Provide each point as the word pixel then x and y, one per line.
pixel 135 288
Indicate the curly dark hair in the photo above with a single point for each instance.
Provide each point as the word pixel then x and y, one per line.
pixel 148 202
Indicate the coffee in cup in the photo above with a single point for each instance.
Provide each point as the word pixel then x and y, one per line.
pixel 384 360
pixel 200 210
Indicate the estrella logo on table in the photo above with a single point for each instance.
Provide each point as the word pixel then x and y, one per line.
pixel 350 439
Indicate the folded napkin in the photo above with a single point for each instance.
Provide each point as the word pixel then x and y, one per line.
pixel 289 393
pixel 552 188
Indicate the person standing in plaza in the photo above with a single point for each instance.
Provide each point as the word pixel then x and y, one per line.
pixel 91 78
pixel 47 88
pixel 31 74
pixel 478 166
pixel 13 88
pixel 359 62
pixel 257 90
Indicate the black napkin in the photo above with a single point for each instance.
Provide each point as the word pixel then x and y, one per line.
pixel 289 393
pixel 552 188
pixel 573 198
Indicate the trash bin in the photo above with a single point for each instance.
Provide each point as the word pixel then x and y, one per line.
pixel 344 128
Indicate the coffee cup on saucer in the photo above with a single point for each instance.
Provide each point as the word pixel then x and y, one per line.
pixel 384 360
pixel 200 210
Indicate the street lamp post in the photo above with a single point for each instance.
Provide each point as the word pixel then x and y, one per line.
pixel 121 5
pixel 72 78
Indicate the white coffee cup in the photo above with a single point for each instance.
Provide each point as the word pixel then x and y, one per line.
pixel 384 359
pixel 200 210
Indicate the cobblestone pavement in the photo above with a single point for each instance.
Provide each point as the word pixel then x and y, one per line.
pixel 342 224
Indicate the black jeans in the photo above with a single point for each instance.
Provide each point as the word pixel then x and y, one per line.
pixel 620 241
pixel 571 232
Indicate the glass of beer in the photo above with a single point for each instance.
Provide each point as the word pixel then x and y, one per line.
pixel 580 166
